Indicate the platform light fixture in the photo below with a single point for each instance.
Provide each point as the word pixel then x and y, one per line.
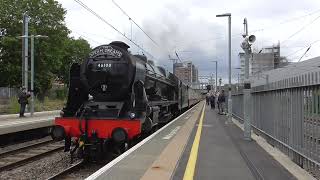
pixel 32 37
pixel 229 53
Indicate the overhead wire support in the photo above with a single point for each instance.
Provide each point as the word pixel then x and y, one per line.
pixel 295 52
pixel 134 22
pixel 178 56
pixel 103 20
pixel 304 53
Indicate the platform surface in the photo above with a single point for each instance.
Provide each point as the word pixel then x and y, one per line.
pixel 224 154
pixel 12 123
pixel 177 152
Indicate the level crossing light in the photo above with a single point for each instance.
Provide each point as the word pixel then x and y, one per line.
pixel 229 53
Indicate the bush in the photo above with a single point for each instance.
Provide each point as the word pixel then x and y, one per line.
pixel 47 105
pixel 61 93
pixel 14 106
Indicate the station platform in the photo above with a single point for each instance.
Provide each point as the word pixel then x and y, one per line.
pixel 199 144
pixel 12 123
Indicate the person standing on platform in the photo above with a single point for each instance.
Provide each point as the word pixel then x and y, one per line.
pixel 208 98
pixel 212 101
pixel 23 100
pixel 221 102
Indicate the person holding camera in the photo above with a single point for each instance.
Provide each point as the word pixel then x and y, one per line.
pixel 23 100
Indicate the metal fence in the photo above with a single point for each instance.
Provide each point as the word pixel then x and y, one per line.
pixel 6 92
pixel 287 114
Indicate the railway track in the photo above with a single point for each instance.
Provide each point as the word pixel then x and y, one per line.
pixel 21 156
pixel 84 168
pixel 63 174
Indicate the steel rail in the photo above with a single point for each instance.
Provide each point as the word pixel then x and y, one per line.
pixel 67 171
pixel 26 154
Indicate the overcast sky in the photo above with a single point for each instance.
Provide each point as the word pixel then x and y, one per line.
pixel 191 28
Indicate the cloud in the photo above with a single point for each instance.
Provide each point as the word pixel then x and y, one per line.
pixel 194 38
pixel 191 28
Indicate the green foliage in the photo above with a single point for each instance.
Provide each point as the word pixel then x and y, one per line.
pixel 76 51
pixel 61 93
pixel 49 104
pixel 53 55
pixel 14 106
pixel 46 105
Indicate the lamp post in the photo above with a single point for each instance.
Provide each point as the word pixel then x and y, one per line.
pixel 25 51
pixel 32 68
pixel 216 74
pixel 229 53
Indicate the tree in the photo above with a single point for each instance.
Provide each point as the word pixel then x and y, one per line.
pixel 76 51
pixel 52 55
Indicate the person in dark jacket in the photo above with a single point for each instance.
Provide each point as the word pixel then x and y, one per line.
pixel 212 101
pixel 208 99
pixel 23 100
pixel 221 102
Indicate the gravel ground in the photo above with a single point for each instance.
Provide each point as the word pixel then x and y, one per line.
pixel 47 166
pixel 40 169
pixel 85 171
pixel 19 145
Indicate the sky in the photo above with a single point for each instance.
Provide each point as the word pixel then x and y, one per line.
pixel 191 28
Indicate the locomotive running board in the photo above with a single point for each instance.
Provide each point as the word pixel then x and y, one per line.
pixel 166 103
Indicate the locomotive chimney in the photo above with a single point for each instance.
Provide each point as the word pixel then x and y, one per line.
pixel 120 44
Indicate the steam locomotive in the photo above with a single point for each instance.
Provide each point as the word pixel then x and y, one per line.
pixel 115 97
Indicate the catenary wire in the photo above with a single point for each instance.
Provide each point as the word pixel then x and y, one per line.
pixel 106 22
pixel 300 30
pixel 135 23
pixel 261 29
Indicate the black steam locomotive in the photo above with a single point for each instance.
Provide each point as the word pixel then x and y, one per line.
pixel 115 97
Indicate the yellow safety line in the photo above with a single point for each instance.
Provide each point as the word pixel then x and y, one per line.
pixel 189 172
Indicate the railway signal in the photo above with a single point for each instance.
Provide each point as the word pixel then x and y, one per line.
pixel 246 46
